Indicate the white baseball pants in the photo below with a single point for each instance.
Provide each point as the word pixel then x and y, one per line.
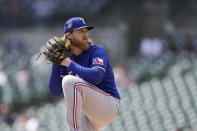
pixel 87 107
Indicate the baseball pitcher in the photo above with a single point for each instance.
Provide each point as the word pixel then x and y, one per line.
pixel 82 71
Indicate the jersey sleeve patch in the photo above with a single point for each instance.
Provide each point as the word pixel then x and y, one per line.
pixel 97 61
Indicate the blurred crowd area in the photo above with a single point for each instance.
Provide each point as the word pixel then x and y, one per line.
pixel 27 13
pixel 152 45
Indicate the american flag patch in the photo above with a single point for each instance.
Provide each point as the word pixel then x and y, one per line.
pixel 97 61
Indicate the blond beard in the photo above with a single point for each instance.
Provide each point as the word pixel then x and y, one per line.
pixel 83 46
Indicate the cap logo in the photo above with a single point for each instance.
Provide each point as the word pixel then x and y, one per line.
pixel 69 26
pixel 82 20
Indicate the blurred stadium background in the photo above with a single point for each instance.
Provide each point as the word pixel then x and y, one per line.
pixel 152 45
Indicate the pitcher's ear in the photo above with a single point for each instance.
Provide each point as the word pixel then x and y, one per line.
pixel 68 36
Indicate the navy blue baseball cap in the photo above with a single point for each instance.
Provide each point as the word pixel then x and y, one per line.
pixel 76 23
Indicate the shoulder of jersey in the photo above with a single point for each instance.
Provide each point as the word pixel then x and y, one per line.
pixel 94 47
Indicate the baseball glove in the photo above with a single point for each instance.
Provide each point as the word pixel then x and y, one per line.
pixel 55 50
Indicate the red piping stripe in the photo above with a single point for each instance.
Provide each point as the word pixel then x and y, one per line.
pixel 99 68
pixel 76 108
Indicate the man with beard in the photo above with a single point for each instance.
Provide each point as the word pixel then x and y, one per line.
pixel 86 80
